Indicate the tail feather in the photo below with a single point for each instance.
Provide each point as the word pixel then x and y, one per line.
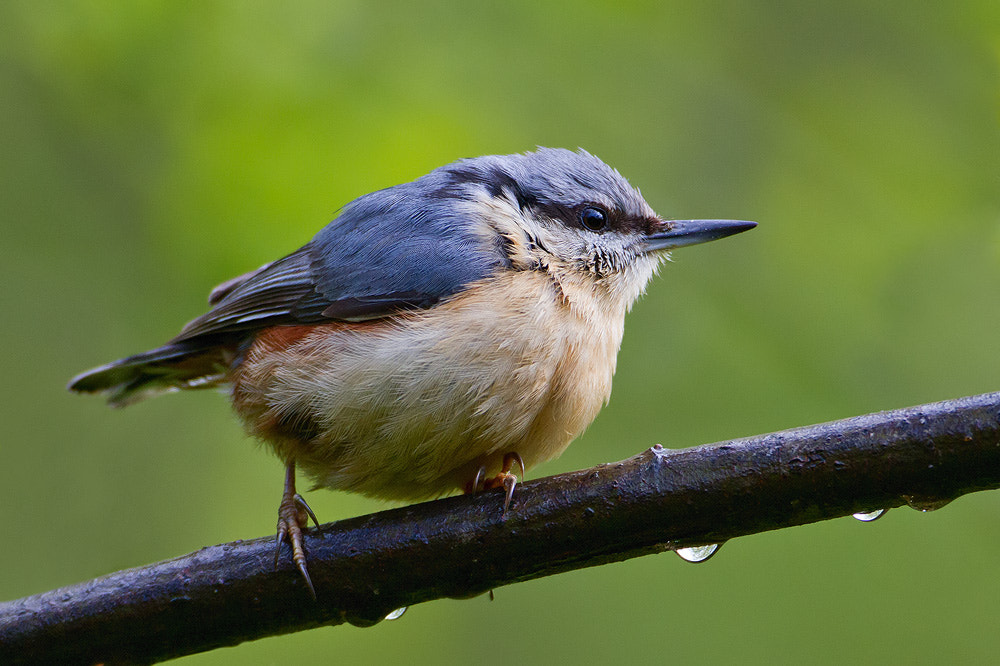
pixel 171 367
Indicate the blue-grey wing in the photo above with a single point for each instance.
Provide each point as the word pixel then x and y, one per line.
pixel 387 251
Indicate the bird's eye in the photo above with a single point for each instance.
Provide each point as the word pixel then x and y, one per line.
pixel 593 218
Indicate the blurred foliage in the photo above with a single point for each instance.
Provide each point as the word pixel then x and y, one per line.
pixel 149 150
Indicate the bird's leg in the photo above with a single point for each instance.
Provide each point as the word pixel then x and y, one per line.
pixel 293 517
pixel 505 478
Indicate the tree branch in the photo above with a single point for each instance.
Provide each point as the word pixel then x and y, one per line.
pixel 365 567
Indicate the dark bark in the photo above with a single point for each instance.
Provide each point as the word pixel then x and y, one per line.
pixel 365 567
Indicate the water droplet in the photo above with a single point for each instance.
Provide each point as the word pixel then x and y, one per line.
pixel 698 554
pixel 869 516
pixel 924 503
pixel 396 614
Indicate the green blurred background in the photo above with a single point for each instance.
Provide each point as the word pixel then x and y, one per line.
pixel 151 150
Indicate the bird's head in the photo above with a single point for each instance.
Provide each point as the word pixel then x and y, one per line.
pixel 570 213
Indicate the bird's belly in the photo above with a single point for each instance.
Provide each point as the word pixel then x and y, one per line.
pixel 411 407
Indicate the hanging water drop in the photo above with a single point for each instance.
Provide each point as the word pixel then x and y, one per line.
pixel 396 614
pixel 698 554
pixel 869 516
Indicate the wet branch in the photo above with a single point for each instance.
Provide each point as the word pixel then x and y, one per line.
pixel 365 567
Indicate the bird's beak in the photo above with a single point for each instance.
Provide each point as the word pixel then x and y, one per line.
pixel 678 233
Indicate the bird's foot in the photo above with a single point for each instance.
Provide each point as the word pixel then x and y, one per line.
pixel 505 479
pixel 293 517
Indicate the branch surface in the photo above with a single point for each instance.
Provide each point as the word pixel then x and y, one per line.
pixel 365 567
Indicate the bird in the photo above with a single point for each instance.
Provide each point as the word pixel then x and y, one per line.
pixel 432 336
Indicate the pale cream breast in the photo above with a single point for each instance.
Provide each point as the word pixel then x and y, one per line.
pixel 410 407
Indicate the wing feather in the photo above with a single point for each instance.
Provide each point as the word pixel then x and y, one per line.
pixel 390 250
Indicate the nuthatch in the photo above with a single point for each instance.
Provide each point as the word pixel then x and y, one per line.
pixel 432 335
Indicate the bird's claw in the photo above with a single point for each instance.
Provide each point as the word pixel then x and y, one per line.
pixel 301 504
pixel 509 481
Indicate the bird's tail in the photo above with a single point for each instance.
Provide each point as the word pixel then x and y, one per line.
pixel 176 365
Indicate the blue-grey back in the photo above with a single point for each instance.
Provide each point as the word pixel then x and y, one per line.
pixel 411 245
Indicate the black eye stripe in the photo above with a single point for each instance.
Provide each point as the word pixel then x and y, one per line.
pixel 594 218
